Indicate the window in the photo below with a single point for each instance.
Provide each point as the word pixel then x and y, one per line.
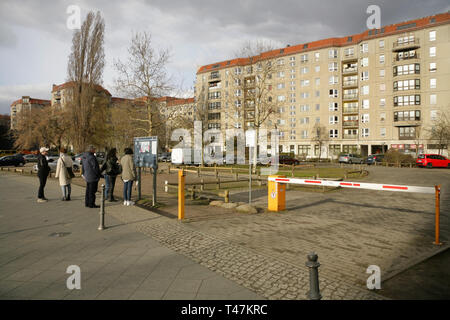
pixel 281 98
pixel 433 99
pixel 237 70
pixel 304 58
pixel 433 67
pixel 317 119
pixel 317 81
pixel 365 62
pixel 333 106
pixel 433 52
pixel 412 115
pixel 332 53
pixel 365 90
pixel 333 66
pixel 381 58
pixel 317 93
pixel 412 84
pixel 281 74
pixel 407 132
pixel 304 108
pixel 304 120
pixel 317 56
pixel 366 104
pixel 334 133
pixel 333 93
pixel 237 103
pixel 433 83
pixel 413 68
pixel 214 95
pixel 432 35
pixel 381 44
pixel 304 83
pixel 433 115
pixel 382 87
pixel 382 72
pixel 317 107
pixel 349 52
pixel 382 102
pixel 333 80
pixel 364 75
pixel 280 86
pixel 365 132
pixel 238 93
pixel 365 118
pixel 280 62
pixel 364 47
pixel 303 150
pixel 304 134
pixel 382 117
pixel 333 119
pixel 304 70
pixel 383 132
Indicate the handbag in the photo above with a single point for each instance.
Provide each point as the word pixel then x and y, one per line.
pixel 68 170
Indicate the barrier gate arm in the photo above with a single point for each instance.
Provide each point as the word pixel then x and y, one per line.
pixel 355 185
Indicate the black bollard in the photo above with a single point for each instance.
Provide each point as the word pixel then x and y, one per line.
pixel 313 265
pixel 102 210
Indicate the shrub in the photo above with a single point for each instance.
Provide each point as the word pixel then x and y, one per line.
pixel 394 156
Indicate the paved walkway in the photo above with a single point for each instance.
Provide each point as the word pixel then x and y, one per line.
pixel 39 241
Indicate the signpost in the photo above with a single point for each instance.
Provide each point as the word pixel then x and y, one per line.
pixel 146 155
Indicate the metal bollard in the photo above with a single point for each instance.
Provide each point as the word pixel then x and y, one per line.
pixel 166 186
pixel 102 210
pixel 313 265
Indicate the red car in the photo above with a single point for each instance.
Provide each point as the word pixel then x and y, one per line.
pixel 432 160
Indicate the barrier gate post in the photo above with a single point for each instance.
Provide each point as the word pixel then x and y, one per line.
pixel 437 218
pixel 276 195
pixel 180 194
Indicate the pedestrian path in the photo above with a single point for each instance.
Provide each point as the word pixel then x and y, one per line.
pixel 39 241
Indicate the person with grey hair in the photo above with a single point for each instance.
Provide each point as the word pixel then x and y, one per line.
pixel 91 174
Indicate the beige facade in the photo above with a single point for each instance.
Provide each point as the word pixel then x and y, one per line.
pixel 383 88
pixel 22 105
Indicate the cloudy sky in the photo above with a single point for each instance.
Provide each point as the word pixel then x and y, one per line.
pixel 35 42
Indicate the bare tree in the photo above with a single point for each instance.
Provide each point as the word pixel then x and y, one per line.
pixel 440 131
pixel 319 137
pixel 143 76
pixel 252 96
pixel 85 69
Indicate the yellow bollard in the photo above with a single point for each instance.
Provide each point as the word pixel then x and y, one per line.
pixel 181 177
pixel 276 195
pixel 437 218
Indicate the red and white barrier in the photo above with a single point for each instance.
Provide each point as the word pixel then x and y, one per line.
pixel 355 185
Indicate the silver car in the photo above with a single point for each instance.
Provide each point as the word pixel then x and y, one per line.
pixel 350 158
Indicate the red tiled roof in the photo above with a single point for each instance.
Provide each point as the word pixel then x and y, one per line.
pixel 180 101
pixel 421 23
pixel 32 101
pixel 72 83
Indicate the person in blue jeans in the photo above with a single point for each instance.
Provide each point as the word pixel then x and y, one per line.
pixel 128 176
pixel 112 169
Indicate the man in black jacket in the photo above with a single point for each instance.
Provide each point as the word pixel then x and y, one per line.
pixel 91 174
pixel 43 171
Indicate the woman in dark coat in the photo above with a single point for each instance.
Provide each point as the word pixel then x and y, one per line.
pixel 112 169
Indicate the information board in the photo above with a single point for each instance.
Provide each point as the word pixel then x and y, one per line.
pixel 146 151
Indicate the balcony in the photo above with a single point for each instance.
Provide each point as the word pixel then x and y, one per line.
pixel 350 97
pixel 350 123
pixel 349 57
pixel 407 123
pixel 214 76
pixel 352 70
pixel 408 58
pixel 350 110
pixel 350 136
pixel 350 83
pixel 409 45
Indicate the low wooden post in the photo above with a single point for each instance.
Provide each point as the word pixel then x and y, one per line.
pixel 236 176
pixel 218 183
pixel 437 214
pixel 202 185
pixel 292 171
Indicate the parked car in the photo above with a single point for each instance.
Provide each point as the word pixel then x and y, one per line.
pixel 14 160
pixel 100 156
pixel 374 158
pixel 53 162
pixel 432 160
pixel 165 156
pixel 288 160
pixel 350 158
pixel 30 157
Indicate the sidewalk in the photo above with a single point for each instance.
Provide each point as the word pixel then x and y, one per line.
pixel 39 241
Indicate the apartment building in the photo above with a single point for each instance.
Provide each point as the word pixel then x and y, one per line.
pixel 370 92
pixel 62 94
pixel 25 104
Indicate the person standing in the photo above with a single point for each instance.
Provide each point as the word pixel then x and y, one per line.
pixel 43 171
pixel 112 169
pixel 128 176
pixel 64 162
pixel 91 174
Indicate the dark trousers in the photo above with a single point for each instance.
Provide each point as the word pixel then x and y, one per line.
pixel 42 182
pixel 127 190
pixel 110 183
pixel 91 189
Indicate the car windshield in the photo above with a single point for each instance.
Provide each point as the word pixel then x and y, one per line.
pixel 421 156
